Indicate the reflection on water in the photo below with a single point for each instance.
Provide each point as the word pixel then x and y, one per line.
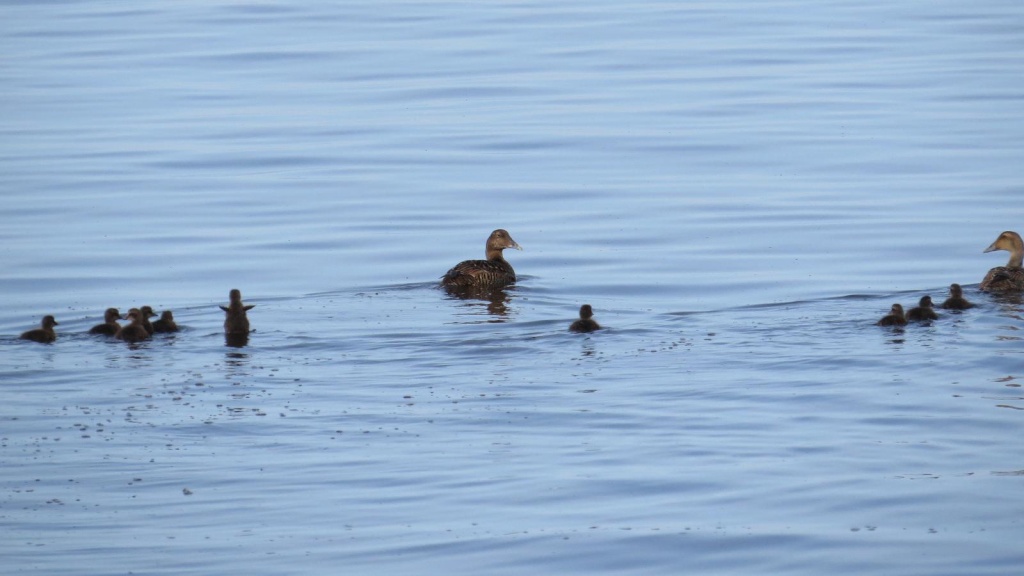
pixel 495 300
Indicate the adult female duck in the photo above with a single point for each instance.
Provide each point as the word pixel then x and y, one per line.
pixel 1009 278
pixel 493 273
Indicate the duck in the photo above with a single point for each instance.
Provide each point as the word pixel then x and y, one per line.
pixel 923 310
pixel 236 321
pixel 956 299
pixel 136 331
pixel 147 313
pixel 166 323
pixel 1009 278
pixel 110 325
pixel 895 317
pixel 586 323
pixel 44 334
pixel 493 273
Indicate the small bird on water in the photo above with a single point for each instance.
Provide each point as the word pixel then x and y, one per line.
pixel 586 323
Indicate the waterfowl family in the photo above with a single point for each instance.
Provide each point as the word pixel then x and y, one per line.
pixel 956 299
pixel 110 325
pixel 45 333
pixel 492 273
pixel 923 310
pixel 895 317
pixel 136 331
pixel 166 323
pixel 1009 278
pixel 586 323
pixel 236 321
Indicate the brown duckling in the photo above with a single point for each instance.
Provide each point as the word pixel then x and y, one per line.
pixel 1009 278
pixel 956 299
pixel 236 321
pixel 166 323
pixel 44 334
pixel 923 310
pixel 110 325
pixel 895 317
pixel 586 323
pixel 136 331
pixel 147 313
pixel 492 273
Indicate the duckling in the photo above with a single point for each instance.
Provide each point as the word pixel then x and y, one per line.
pixel 923 310
pixel 236 321
pixel 492 273
pixel 1009 278
pixel 44 334
pixel 166 323
pixel 895 317
pixel 586 323
pixel 147 313
pixel 136 331
pixel 956 299
pixel 110 325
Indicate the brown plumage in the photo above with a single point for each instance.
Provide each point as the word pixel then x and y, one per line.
pixel 586 323
pixel 44 334
pixel 166 323
pixel 136 331
pixel 1009 278
pixel 236 321
pixel 110 325
pixel 956 299
pixel 923 310
pixel 147 313
pixel 494 272
pixel 895 317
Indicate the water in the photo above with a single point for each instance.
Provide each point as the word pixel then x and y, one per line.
pixel 739 189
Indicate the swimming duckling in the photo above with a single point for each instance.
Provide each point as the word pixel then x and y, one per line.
pixel 147 313
pixel 166 323
pixel 494 272
pixel 586 323
pixel 236 321
pixel 956 299
pixel 44 334
pixel 136 331
pixel 923 310
pixel 1009 278
pixel 895 317
pixel 110 325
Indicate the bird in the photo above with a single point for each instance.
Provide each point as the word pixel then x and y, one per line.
pixel 236 321
pixel 1009 278
pixel 166 323
pixel 923 310
pixel 895 317
pixel 493 273
pixel 956 299
pixel 44 334
pixel 110 325
pixel 136 331
pixel 586 323
pixel 147 313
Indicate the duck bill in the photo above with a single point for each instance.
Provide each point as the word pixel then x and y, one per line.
pixel 515 245
pixel 991 248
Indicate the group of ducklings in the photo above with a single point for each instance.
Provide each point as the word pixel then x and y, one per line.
pixel 495 273
pixel 236 324
pixel 1009 278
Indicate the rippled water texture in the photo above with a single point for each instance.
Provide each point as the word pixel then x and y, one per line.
pixel 740 189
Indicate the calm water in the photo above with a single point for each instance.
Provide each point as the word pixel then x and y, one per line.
pixel 740 189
